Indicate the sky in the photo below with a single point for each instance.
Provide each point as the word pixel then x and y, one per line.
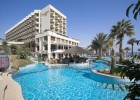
pixel 85 18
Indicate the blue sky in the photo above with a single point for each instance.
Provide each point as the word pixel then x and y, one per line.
pixel 85 18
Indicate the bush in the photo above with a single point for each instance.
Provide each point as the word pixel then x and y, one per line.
pixel 132 71
pixel 117 70
pixel 126 62
pixel 13 49
pixel 23 52
pixel 16 62
pixel 23 55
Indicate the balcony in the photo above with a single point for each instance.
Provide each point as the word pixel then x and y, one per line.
pixel 57 18
pixel 61 25
pixel 52 25
pixel 57 28
pixel 52 22
pixel 52 14
pixel 64 27
pixel 61 30
pixel 53 42
pixel 64 22
pixel 57 23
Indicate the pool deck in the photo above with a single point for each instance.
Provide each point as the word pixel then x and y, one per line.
pixel 56 65
pixel 9 89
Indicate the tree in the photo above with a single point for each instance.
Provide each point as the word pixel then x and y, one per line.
pixel 113 61
pixel 127 49
pixel 94 46
pixel 136 9
pixel 137 41
pixel 22 52
pixel 119 30
pixel 131 42
pixel 5 47
pixel 13 49
pixel 110 43
pixel 101 40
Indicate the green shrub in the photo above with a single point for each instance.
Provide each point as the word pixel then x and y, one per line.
pixel 117 61
pixel 13 49
pixel 132 71
pixel 126 62
pixel 117 70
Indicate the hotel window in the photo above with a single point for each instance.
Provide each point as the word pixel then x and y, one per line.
pixel 72 43
pixel 66 47
pixel 52 38
pixel 37 48
pixel 37 14
pixel 58 40
pixel 45 47
pixel 63 40
pixel 69 42
pixel 37 39
pixel 37 30
pixel 45 38
pixel 66 41
pixel 53 47
pixel 59 47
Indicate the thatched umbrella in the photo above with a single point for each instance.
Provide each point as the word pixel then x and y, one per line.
pixel 77 50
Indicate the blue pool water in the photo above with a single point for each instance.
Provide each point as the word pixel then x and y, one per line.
pixel 39 82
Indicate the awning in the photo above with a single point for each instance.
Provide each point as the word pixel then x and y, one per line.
pixel 58 51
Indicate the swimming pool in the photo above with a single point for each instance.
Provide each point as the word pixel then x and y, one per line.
pixel 67 83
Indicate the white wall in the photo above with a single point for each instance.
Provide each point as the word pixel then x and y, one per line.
pixel 45 19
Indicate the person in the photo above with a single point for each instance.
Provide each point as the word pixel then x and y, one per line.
pixel 89 62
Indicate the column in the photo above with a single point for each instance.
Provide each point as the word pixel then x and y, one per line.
pixel 56 55
pixel 49 47
pixel 40 45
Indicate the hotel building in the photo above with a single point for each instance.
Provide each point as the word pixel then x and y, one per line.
pixel 45 31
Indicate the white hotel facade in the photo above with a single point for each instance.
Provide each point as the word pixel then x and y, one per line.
pixel 45 31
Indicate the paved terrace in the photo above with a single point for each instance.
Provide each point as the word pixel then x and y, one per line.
pixel 9 89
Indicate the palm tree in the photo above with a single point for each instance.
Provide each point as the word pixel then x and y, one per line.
pixel 5 46
pixel 121 29
pixel 137 41
pixel 136 9
pixel 110 44
pixel 138 51
pixel 131 42
pixel 127 49
pixel 113 61
pixel 101 40
pixel 94 46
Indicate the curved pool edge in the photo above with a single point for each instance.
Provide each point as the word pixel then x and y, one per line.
pixel 104 78
pixel 55 74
